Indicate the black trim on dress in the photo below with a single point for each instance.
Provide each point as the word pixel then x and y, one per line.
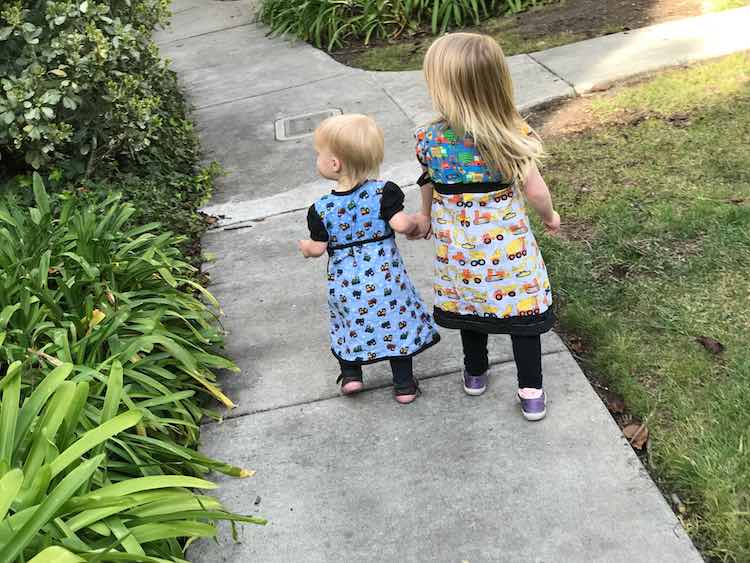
pixel 521 326
pixel 473 188
pixel 427 345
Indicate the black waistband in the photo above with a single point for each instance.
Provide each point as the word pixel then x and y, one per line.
pixel 361 242
pixel 473 188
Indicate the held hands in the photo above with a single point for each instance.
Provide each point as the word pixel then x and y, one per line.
pixel 422 227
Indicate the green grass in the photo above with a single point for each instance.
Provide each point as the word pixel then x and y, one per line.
pixel 656 252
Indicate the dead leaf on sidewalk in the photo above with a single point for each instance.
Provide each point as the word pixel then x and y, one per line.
pixel 637 434
pixel 614 402
pixel 710 344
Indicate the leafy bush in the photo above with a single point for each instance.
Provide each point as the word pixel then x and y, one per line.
pixel 331 23
pixel 107 355
pixel 83 84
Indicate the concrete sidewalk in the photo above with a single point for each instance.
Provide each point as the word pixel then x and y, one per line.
pixel 449 478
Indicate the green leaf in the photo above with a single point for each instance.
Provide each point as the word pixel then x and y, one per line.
pixel 9 414
pixel 40 194
pixel 93 437
pixel 34 403
pixel 49 508
pixel 10 484
pixel 56 554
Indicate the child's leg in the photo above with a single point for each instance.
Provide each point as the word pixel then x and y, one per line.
pixel 527 352
pixel 476 362
pixel 475 352
pixel 350 378
pixel 405 386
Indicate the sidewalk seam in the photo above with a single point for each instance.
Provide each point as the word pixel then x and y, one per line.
pixel 244 98
pixel 368 389
pixel 170 41
pixel 553 73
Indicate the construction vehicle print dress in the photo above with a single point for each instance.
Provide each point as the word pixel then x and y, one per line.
pixel 490 276
pixel 375 311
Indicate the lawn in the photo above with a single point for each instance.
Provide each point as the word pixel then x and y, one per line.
pixel 654 193
pixel 550 24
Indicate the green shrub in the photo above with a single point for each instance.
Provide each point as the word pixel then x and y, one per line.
pixel 83 84
pixel 331 23
pixel 107 357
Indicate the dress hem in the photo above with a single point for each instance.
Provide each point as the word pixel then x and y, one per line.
pixel 521 326
pixel 427 345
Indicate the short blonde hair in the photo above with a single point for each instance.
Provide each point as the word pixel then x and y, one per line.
pixel 471 88
pixel 356 140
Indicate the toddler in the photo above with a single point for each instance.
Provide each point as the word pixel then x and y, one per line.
pixel 375 311
pixel 480 169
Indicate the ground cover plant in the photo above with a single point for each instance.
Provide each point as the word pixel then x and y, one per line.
pixel 652 276
pixel 107 357
pixel 540 27
pixel 108 345
pixel 328 24
pixel 86 100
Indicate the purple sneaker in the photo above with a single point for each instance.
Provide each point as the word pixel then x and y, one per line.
pixel 475 384
pixel 534 409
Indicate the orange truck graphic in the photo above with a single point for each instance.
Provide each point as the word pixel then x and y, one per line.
pixel 506 291
pixel 482 217
pixel 495 275
pixel 490 235
pixel 467 276
pixel 449 292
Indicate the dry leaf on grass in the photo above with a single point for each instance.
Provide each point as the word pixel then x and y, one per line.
pixel 710 344
pixel 615 403
pixel 637 434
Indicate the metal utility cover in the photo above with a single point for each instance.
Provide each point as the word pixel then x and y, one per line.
pixel 297 126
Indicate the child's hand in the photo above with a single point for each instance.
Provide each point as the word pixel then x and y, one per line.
pixel 311 248
pixel 553 225
pixel 423 227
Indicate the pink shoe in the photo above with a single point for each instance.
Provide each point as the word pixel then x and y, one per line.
pixel 350 385
pixel 406 393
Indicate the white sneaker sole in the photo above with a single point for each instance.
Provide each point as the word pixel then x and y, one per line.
pixel 475 392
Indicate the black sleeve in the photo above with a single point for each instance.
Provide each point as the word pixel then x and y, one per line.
pixel 424 179
pixel 318 230
pixel 391 202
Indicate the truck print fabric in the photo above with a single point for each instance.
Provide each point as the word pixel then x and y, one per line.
pixel 375 311
pixel 489 273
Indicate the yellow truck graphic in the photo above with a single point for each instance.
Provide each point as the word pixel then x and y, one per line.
pixel 516 249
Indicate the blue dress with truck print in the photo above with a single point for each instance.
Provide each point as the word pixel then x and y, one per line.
pixel 489 272
pixel 375 311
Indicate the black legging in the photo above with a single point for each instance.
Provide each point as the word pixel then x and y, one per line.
pixel 527 352
pixel 402 368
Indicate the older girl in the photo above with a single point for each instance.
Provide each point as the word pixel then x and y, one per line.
pixel 480 171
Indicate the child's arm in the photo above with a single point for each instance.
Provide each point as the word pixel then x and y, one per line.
pixel 424 217
pixel 317 244
pixel 312 248
pixel 403 223
pixel 538 196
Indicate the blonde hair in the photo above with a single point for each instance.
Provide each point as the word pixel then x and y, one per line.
pixel 354 139
pixel 471 88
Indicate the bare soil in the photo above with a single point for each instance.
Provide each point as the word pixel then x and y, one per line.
pixel 550 25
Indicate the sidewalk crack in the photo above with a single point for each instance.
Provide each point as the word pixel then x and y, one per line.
pixel 553 73
pixel 366 390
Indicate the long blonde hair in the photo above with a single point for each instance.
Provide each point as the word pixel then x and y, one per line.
pixel 471 88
